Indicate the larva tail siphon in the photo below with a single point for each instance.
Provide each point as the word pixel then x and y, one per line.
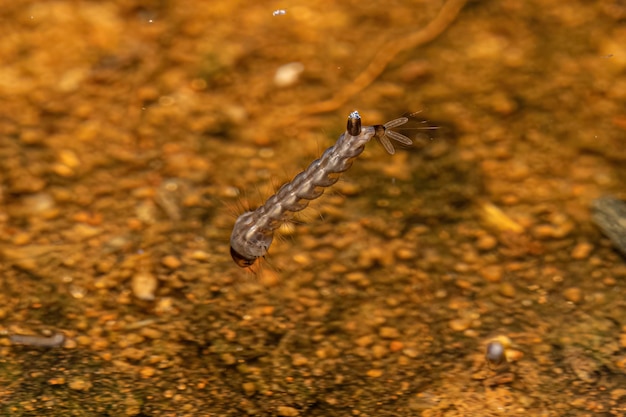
pixel 254 230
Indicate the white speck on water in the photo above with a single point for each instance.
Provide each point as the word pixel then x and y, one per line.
pixel 288 74
pixel 279 12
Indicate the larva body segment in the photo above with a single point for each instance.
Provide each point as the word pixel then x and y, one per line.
pixel 254 230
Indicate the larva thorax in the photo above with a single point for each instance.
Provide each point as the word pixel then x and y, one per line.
pixel 254 230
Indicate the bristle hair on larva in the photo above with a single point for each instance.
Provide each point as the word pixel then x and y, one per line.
pixel 254 230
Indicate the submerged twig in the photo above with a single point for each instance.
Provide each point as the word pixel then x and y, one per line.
pixel 386 54
pixel 56 340
pixel 609 214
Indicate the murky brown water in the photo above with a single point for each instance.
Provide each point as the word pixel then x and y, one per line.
pixel 133 133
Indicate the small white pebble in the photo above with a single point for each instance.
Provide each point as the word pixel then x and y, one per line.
pixel 495 353
pixel 144 285
pixel 288 74
pixel 279 12
pixel 497 348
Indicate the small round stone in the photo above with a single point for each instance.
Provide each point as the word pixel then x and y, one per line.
pixel 582 250
pixel 171 262
pixel 143 286
pixel 396 346
pixel 495 353
pixel 79 384
pixel 133 353
pixel 375 373
pixel 389 332
pixel 507 289
pixel 459 325
pixel 573 294
pixel 299 360
pixel 486 242
pixel 147 372
pixel 285 411
pixel 492 273
pixel 364 341
pixel 249 387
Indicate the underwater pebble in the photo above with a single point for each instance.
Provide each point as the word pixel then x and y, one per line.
pixel 249 388
pixel 56 381
pixel 199 255
pixel 355 276
pixel 170 262
pixel 495 353
pixel 228 358
pixel 559 229
pixel 38 203
pixel 83 231
pixel 299 360
pixel 411 353
pixel 364 341
pixel 495 217
pixel 302 259
pixel 459 325
pixel 84 340
pixel 143 285
pixel 513 355
pixel 370 256
pixel 69 158
pixel 285 411
pixel 21 239
pixel 151 333
pixel 396 346
pixel 582 250
pixel 389 333
pixel 379 351
pixel 31 136
pixel 573 294
pixel 133 353
pixel 618 393
pixel 130 339
pixel 492 273
pixel 70 344
pixel 147 372
pixel 288 74
pixel 486 242
pixel 79 384
pixel 375 373
pixel 499 349
pixel 507 289
pixel 62 170
pixel 405 254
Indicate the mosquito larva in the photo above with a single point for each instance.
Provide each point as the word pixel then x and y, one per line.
pixel 254 230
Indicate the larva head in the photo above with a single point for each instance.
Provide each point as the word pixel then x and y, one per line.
pixel 247 243
pixel 240 260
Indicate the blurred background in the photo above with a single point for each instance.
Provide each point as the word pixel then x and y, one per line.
pixel 133 133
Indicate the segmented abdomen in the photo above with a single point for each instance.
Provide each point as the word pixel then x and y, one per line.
pixel 253 231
